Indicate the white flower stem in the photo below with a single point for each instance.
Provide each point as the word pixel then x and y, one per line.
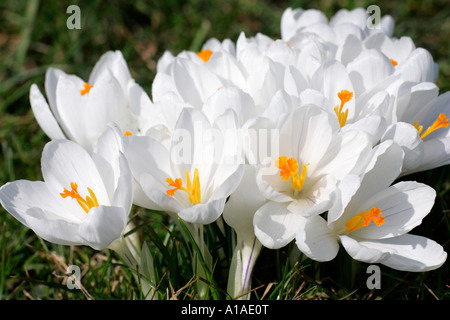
pixel 244 259
pixel 198 235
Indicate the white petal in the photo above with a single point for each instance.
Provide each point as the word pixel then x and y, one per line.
pixel 115 62
pixel 52 228
pixel 68 107
pixel 123 195
pixel 203 213
pixel 102 226
pixel 382 170
pixel 51 82
pixel 19 196
pixel 403 205
pixel 419 67
pixel 154 190
pixel 275 226
pixel 364 251
pixel 315 240
pixel 368 69
pixel 408 138
pixel 243 202
pixel 63 162
pixel 230 98
pixel 105 103
pixel 413 253
pixel 43 115
pixel 194 82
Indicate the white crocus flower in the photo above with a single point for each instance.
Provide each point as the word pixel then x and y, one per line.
pixel 191 80
pixel 83 200
pixel 314 156
pixel 294 20
pixel 421 126
pixel 191 179
pixel 372 221
pixel 80 110
pixel 238 213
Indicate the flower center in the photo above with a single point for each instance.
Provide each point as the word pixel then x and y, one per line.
pixel 205 54
pixel 394 63
pixel 345 96
pixel 363 219
pixel 86 204
pixel 127 133
pixel 192 188
pixel 441 122
pixel 87 88
pixel 289 171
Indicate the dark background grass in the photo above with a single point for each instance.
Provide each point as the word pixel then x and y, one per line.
pixel 34 36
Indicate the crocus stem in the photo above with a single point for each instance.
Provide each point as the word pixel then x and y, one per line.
pixel 242 264
pixel 198 267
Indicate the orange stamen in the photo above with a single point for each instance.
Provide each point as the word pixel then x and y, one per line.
pixel 87 88
pixel 192 188
pixel 363 219
pixel 441 122
pixel 394 63
pixel 85 204
pixel 345 96
pixel 289 170
pixel 205 54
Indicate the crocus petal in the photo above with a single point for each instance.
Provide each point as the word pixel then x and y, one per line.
pixel 102 226
pixel 63 162
pixel 242 205
pixel 52 227
pixel 43 115
pixel 364 251
pixel 67 108
pixel 275 226
pixel 383 168
pixel 368 69
pixel 123 195
pixel 19 196
pixel 203 213
pixel 315 240
pixel 226 98
pixel 412 253
pixel 403 206
pixel 436 154
pixel 116 64
pixel 419 67
pixel 51 82
pixel 408 138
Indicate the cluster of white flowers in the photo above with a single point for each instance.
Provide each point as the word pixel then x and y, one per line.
pixel 294 139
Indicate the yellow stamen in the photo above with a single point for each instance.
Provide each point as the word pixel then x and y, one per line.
pixel 394 63
pixel 127 133
pixel 289 170
pixel 86 204
pixel 345 96
pixel 363 219
pixel 192 188
pixel 441 122
pixel 87 88
pixel 205 54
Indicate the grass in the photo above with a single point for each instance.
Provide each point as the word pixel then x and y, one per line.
pixel 34 37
